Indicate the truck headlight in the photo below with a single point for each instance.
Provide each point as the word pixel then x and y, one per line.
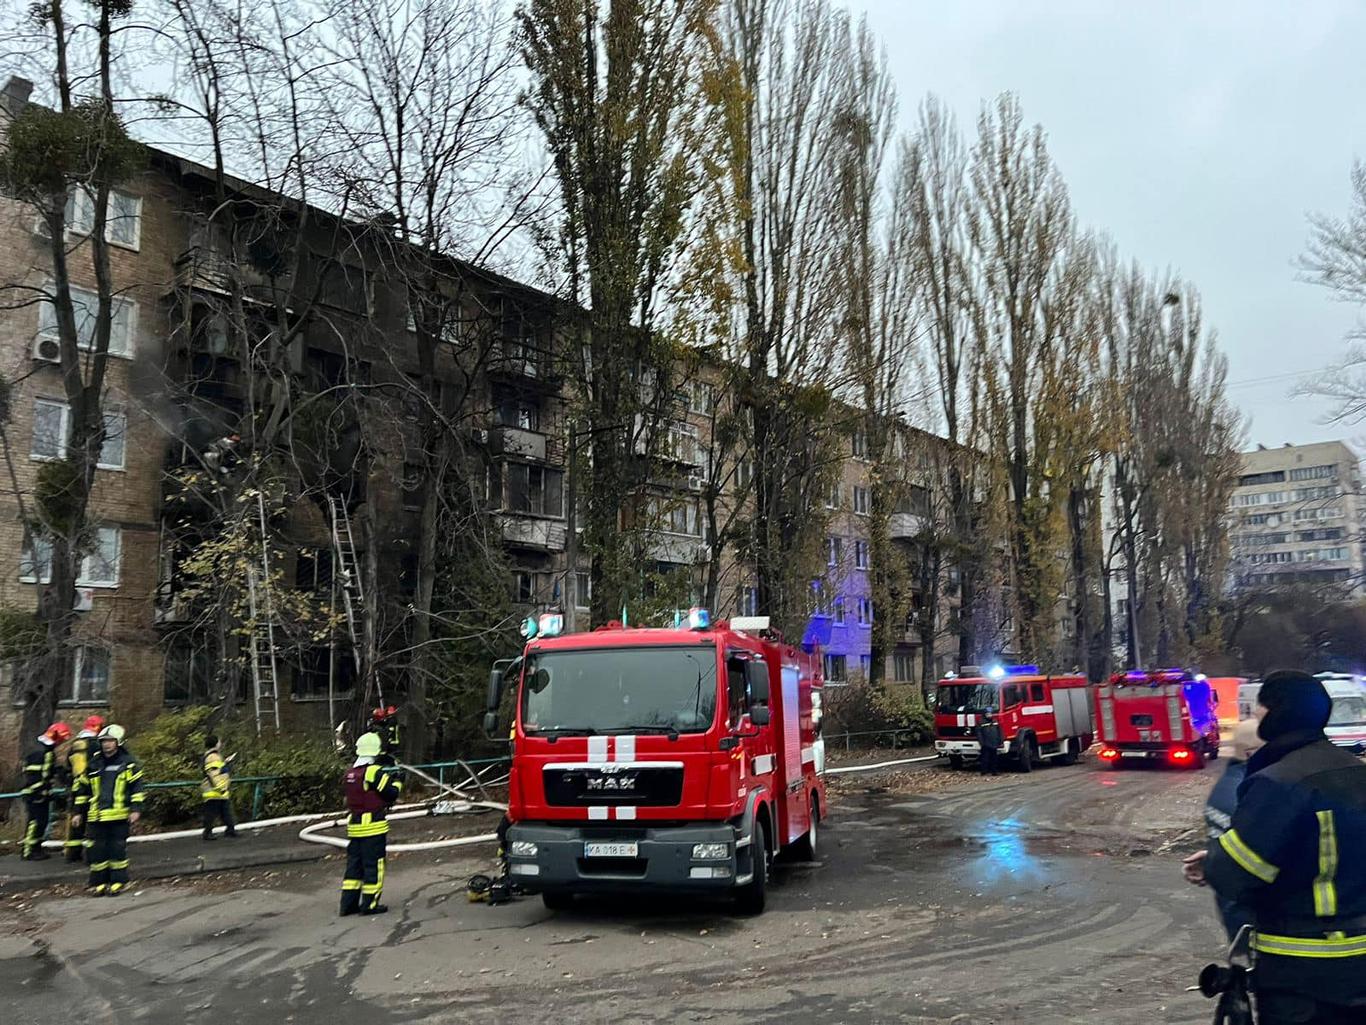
pixel 522 849
pixel 710 851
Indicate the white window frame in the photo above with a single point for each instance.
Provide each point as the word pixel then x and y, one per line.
pixel 78 667
pixel 839 612
pixel 47 321
pixel 80 217
pixel 865 612
pixel 40 572
pixel 84 579
pixel 861 554
pixel 861 507
pixel 834 550
pixel 120 416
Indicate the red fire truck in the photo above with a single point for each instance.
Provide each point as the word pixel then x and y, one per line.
pixel 1165 714
pixel 652 760
pixel 1042 717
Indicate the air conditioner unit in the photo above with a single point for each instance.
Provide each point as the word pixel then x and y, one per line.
pixel 696 482
pixel 85 599
pixel 47 349
pixel 480 436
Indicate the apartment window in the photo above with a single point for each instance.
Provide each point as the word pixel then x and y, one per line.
pixel 860 554
pixel 697 397
pixel 836 670
pixel 865 665
pixel 52 430
pixel 865 612
pixel 123 219
pixel 676 516
pixel 319 667
pixel 832 500
pixel 839 611
pixel 903 668
pixel 35 561
pixel 744 474
pixel 189 675
pixel 1248 480
pixel 536 490
pixel 524 586
pixel 519 413
pixel 100 568
pixel 345 287
pixel 85 306
pixel 916 501
pixel 1314 473
pixel 748 604
pixel 681 445
pixel 834 549
pixel 859 445
pixel 861 503
pixel 583 590
pixel 88 683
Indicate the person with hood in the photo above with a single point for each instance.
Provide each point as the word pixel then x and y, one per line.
pixel 77 758
pixel 371 787
pixel 989 745
pixel 40 771
pixel 109 796
pixel 1219 808
pixel 1295 856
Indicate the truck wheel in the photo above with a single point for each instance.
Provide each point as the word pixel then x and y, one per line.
pixel 1198 762
pixel 1069 752
pixel 557 900
pixel 1029 753
pixel 955 761
pixel 804 849
pixel 749 900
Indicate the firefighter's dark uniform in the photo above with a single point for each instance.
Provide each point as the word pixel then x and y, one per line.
pixel 109 792
pixel 215 791
pixel 989 747
pixel 77 760
pixel 370 790
pixel 40 769
pixel 1295 854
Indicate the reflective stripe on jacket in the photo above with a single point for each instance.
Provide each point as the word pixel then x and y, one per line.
pixel 39 768
pixel 78 757
pixel 370 789
pixel 1295 853
pixel 216 781
pixel 111 788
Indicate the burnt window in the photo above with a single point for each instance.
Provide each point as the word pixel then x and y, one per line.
pixel 343 286
pixel 314 666
pixel 313 570
pixel 537 490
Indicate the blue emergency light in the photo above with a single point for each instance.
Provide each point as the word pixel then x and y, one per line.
pixel 698 619
pixel 1000 672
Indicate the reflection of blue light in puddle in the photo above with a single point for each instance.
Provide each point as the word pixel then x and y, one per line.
pixel 1004 852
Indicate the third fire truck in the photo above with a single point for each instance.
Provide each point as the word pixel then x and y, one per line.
pixel 1168 715
pixel 1042 717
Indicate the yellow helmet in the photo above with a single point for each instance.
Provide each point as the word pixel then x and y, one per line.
pixel 113 732
pixel 368 745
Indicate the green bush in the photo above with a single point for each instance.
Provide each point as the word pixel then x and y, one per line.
pixel 860 708
pixel 172 748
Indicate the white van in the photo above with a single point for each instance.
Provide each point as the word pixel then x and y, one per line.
pixel 1347 725
pixel 1247 699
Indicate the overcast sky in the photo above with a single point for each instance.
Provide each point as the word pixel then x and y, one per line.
pixel 1198 134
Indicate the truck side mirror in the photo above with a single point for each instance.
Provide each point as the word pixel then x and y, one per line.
pixel 759 715
pixel 495 692
pixel 756 676
pixel 490 724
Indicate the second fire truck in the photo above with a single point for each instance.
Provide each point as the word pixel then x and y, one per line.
pixel 1042 717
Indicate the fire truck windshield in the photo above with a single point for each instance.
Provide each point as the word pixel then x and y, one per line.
pixel 620 690
pixel 956 697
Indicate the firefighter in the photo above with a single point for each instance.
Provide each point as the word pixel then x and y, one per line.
pixel 77 758
pixel 1295 854
pixel 214 789
pixel 40 771
pixel 384 724
pixel 989 744
pixel 1219 808
pixel 110 795
pixel 371 788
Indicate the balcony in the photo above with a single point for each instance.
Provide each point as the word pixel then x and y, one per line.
pixel 209 269
pixel 677 548
pixel 542 535
pixel 904 526
pixel 514 441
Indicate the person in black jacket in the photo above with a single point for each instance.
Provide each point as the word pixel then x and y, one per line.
pixel 1219 809
pixel 989 745
pixel 1295 854
pixel 40 772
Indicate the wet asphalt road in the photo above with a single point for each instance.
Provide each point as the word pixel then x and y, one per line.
pixel 1052 898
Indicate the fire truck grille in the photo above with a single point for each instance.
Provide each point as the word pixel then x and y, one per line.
pixel 610 785
pixel 956 731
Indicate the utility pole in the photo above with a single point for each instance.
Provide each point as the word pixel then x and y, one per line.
pixel 571 541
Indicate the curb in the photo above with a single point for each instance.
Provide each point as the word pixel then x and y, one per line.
pixel 148 871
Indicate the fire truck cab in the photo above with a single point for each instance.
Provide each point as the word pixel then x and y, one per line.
pixel 1042 717
pixel 1165 714
pixel 660 760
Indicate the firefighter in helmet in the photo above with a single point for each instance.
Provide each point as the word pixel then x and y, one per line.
pixel 109 796
pixel 371 787
pixel 78 756
pixel 40 771
pixel 1295 856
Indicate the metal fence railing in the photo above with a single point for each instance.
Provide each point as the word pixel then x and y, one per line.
pixel 261 784
pixel 894 738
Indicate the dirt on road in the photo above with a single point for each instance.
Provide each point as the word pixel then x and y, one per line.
pixel 937 897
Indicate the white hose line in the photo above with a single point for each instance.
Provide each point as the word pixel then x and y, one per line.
pixel 185 834
pixel 314 834
pixel 880 765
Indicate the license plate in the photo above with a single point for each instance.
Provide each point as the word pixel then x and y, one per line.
pixel 610 850
pixel 1134 754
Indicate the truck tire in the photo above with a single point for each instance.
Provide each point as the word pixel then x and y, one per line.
pixel 1070 752
pixel 1029 753
pixel 750 898
pixel 557 900
pixel 804 848
pixel 955 761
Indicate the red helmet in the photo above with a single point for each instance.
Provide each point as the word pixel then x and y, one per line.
pixel 58 733
pixel 94 723
pixel 383 713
